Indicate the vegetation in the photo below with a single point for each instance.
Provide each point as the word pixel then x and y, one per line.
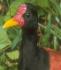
pixel 49 30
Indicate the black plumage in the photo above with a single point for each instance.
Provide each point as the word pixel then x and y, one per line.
pixel 32 57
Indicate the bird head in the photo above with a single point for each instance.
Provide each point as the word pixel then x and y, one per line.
pixel 26 17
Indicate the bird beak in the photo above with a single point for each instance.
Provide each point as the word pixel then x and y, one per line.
pixel 10 23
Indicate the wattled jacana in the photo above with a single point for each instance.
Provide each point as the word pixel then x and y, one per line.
pixel 32 57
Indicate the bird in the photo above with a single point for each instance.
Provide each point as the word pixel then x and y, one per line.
pixel 32 57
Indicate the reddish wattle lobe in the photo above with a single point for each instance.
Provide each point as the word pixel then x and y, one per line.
pixel 22 9
pixel 19 19
pixel 19 15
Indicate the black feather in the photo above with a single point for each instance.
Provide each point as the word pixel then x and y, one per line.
pixel 32 57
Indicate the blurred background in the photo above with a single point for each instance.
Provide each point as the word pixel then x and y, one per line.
pixel 49 29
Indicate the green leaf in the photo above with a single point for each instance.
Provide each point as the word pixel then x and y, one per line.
pixel 47 31
pixel 57 32
pixel 55 7
pixel 2 67
pixel 4 40
pixel 1 21
pixel 42 3
pixel 16 40
pixel 15 36
pixel 13 55
pixel 55 42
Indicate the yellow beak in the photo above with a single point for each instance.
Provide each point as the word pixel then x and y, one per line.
pixel 10 23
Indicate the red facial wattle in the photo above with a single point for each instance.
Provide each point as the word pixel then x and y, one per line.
pixel 22 9
pixel 19 15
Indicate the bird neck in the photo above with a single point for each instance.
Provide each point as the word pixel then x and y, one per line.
pixel 29 37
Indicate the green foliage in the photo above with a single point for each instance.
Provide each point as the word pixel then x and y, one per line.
pixel 15 36
pixel 16 40
pixel 13 55
pixel 42 3
pixel 4 40
pixel 57 32
pixel 47 31
pixel 55 7
pixel 2 67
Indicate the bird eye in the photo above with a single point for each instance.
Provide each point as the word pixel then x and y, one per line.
pixel 28 14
